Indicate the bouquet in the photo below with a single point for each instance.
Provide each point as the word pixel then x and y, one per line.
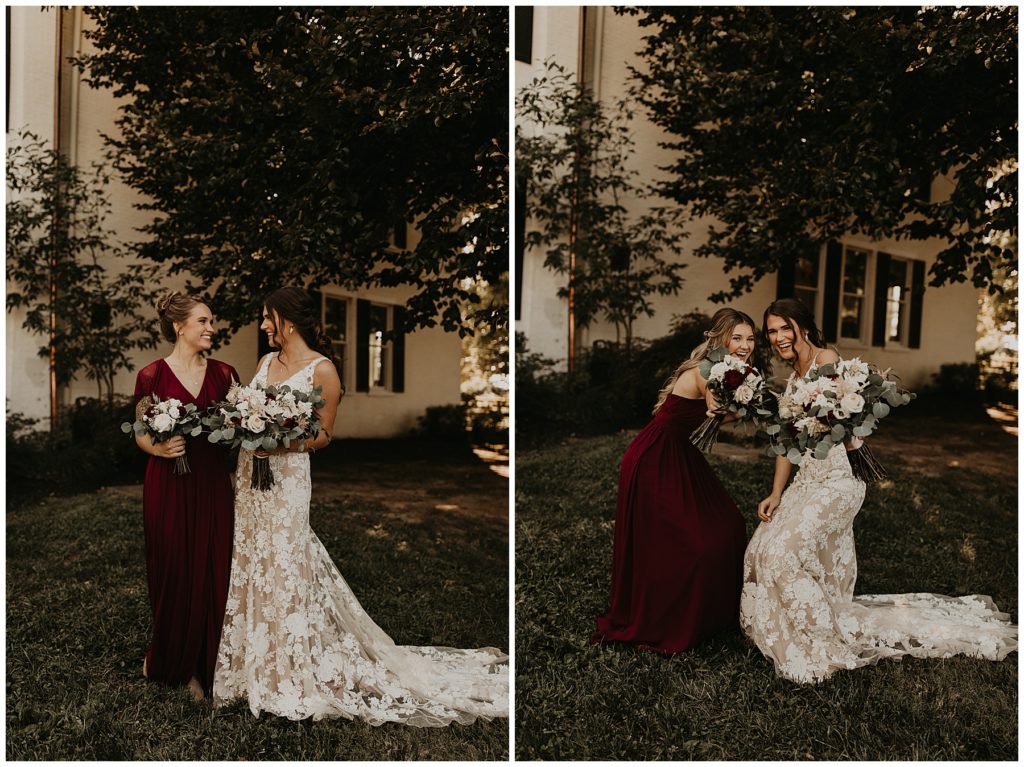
pixel 834 403
pixel 164 419
pixel 264 418
pixel 738 388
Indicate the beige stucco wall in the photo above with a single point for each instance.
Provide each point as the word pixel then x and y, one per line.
pixel 948 324
pixel 432 360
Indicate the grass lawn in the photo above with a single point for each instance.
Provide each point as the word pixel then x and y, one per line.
pixel 955 533
pixel 78 622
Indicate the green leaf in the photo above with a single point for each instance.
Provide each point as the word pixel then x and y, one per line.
pixel 880 410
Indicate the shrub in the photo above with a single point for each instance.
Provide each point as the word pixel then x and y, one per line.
pixel 957 380
pixel 614 386
pixel 445 423
pixel 89 452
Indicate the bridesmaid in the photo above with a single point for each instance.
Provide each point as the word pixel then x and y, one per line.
pixel 677 567
pixel 188 519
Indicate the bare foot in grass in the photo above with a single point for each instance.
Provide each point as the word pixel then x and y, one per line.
pixel 196 689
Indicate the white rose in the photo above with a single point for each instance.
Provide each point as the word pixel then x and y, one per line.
pixel 304 408
pixel 854 369
pixel 852 403
pixel 174 413
pixel 255 423
pixel 744 394
pixel 718 370
pixel 163 422
pixel 273 408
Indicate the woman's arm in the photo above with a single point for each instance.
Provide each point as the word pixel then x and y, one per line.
pixel 766 509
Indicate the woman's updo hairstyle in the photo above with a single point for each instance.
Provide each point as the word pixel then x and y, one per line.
pixel 301 308
pixel 175 307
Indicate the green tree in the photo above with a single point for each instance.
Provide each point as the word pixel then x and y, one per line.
pixel 793 125
pixel 57 247
pixel 283 145
pixel 573 155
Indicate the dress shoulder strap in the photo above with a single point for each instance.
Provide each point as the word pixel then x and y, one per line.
pixel 310 368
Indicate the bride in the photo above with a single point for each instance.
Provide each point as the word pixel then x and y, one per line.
pixel 296 641
pixel 800 567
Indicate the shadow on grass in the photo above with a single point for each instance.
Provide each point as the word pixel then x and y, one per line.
pixel 723 700
pixel 78 617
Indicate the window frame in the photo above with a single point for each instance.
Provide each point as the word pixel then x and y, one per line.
pixel 903 341
pixel 343 354
pixel 869 261
pixel 386 351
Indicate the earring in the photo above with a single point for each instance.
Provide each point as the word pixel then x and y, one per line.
pixel 291 330
pixel 180 332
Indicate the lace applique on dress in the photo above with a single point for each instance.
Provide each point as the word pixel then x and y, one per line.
pixel 297 643
pixel 799 573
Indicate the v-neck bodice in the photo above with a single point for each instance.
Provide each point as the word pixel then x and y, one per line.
pixel 181 384
pixel 307 382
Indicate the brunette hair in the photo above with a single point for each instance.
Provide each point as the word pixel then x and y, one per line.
pixel 722 325
pixel 175 307
pixel 298 306
pixel 794 311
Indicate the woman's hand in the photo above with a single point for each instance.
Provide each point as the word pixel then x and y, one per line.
pixel 172 448
pixel 766 508
pixel 268 453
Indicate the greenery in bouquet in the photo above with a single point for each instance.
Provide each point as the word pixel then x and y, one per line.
pixel 834 404
pixel 738 388
pixel 164 419
pixel 264 418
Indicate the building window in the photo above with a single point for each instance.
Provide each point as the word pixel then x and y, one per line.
pixel 379 348
pixel 897 302
pixel 335 322
pixel 524 33
pixel 805 281
pixel 853 298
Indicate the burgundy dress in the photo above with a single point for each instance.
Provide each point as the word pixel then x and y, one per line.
pixel 189 522
pixel 677 568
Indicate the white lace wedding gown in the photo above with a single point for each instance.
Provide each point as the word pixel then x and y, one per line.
pixel 799 573
pixel 296 641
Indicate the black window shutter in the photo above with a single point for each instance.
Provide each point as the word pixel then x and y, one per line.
pixel 881 297
pixel 833 288
pixel 362 345
pixel 786 281
pixel 524 33
pixel 398 350
pixel 916 305
pixel 520 242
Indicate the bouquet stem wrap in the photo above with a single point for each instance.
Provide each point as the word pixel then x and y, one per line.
pixel 706 435
pixel 262 475
pixel 865 466
pixel 181 465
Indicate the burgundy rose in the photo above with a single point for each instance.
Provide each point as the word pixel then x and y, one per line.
pixel 733 378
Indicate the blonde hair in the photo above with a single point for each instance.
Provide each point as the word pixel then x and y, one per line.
pixel 174 307
pixel 722 324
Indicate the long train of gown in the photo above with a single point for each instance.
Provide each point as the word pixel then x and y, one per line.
pixel 297 643
pixel 798 606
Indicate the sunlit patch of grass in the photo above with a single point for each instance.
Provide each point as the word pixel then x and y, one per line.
pixel 723 700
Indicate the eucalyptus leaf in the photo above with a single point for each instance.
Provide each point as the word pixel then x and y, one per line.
pixel 880 410
pixel 794 456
